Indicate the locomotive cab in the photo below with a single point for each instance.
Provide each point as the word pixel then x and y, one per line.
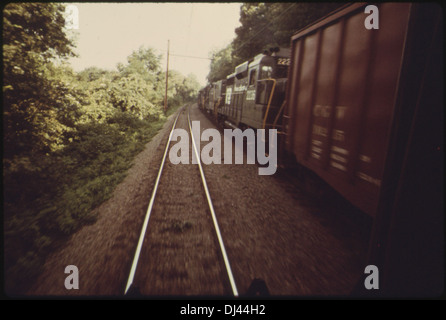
pixel 271 85
pixel 254 93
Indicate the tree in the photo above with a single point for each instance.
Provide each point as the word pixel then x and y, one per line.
pixel 181 89
pixel 39 107
pixel 254 33
pixel 272 24
pixel 33 40
pixel 91 74
pixel 189 89
pixel 265 25
pixel 222 64
pixel 144 62
pixel 138 87
pixel 287 18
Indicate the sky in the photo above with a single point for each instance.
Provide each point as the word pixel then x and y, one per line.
pixel 108 33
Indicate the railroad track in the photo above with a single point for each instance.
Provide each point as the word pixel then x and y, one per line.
pixel 181 251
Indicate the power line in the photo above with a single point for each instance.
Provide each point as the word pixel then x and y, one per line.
pixel 184 56
pixel 194 57
pixel 178 55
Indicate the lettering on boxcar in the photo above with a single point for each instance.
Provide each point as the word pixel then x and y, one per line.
pixel 364 158
pixel 340 112
pixel 325 111
pixel 338 166
pixel 321 111
pixel 369 179
pixel 316 149
pixel 336 157
pixel 319 130
pixel 340 150
pixel 338 135
pixel 315 155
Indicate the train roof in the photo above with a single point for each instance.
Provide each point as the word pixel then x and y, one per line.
pixel 242 69
pixel 232 75
pixel 282 52
pixel 265 57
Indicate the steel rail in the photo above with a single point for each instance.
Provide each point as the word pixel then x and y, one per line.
pixel 149 210
pixel 214 218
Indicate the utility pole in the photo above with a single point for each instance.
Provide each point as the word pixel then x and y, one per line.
pixel 167 76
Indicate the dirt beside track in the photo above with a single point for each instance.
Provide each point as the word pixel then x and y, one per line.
pixel 271 229
pixel 103 251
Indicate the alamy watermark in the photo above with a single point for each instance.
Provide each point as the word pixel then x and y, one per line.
pixel 372 20
pixel 72 280
pixel 211 152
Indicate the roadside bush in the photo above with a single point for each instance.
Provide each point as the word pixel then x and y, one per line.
pixel 49 198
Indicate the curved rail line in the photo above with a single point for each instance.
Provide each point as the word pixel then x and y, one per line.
pixel 211 207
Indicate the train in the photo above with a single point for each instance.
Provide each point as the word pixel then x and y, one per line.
pixel 252 95
pixel 362 108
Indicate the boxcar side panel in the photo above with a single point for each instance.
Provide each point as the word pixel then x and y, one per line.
pixel 306 78
pixel 341 94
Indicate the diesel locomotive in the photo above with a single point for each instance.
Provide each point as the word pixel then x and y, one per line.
pixel 253 95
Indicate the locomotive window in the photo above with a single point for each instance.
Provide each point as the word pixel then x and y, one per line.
pixel 252 78
pixel 263 92
pixel 266 72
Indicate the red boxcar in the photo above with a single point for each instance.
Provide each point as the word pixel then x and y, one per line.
pixel 364 112
pixel 342 94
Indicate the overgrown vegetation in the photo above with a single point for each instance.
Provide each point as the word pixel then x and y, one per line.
pixel 265 25
pixel 69 138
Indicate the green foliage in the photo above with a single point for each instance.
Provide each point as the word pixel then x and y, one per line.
pixel 181 89
pixel 33 39
pixel 69 138
pixel 49 200
pixel 221 64
pixel 255 31
pixel 144 62
pixel 265 25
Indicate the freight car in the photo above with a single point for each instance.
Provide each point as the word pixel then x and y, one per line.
pixel 362 108
pixel 341 98
pixel 364 111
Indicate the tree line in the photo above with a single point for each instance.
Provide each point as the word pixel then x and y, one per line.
pixel 68 137
pixel 264 26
